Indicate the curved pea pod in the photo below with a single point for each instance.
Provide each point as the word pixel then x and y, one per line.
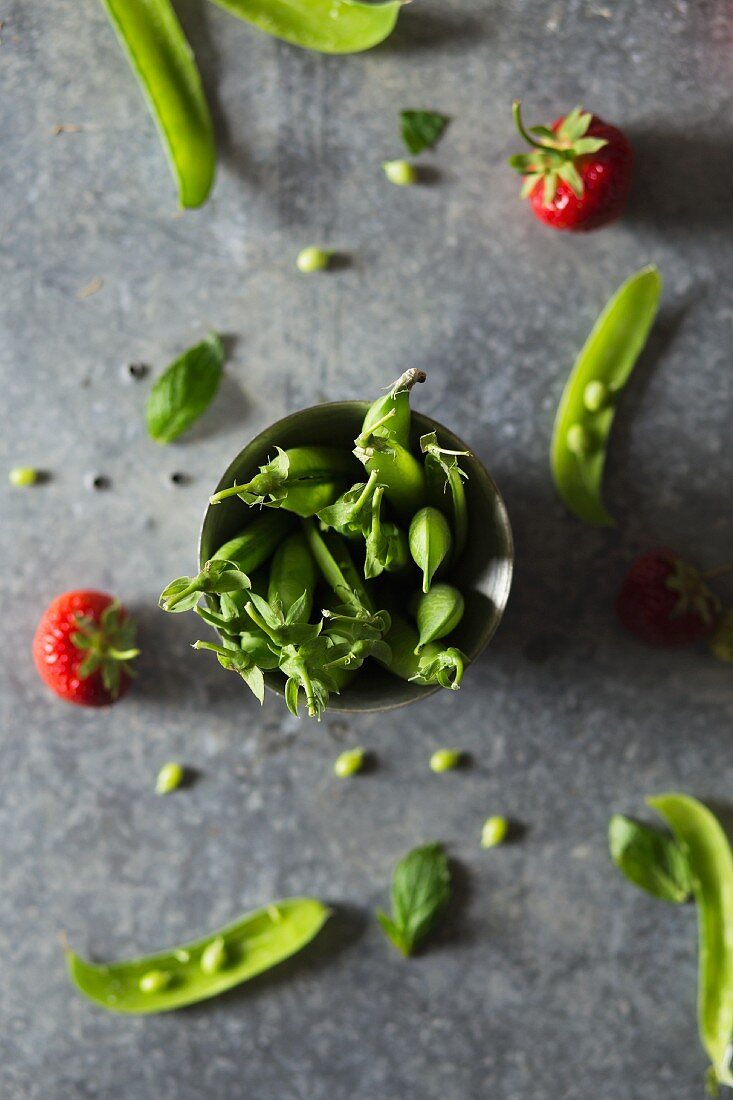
pixel 395 405
pixel 434 664
pixel 257 542
pixel 397 469
pixel 586 410
pixel 437 612
pixel 445 485
pixel 430 542
pixel 203 968
pixel 328 26
pixel 701 837
pixel 301 480
pixel 292 573
pixel 163 63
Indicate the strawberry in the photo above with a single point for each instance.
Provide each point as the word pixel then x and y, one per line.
pixel 578 174
pixel 666 601
pixel 82 648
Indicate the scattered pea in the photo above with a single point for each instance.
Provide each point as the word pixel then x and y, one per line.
pixel 349 763
pixel 312 259
pixel 443 760
pixel 494 831
pixel 154 981
pixel 214 956
pixel 170 776
pixel 23 476
pixel 400 172
pixel 596 396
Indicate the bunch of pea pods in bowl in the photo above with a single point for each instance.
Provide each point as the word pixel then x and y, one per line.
pixel 354 557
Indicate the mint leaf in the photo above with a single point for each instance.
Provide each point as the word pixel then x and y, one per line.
pixel 184 390
pixel 650 859
pixel 420 890
pixel 422 129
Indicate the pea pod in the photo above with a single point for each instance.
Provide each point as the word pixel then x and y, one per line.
pixel 430 542
pixel 445 484
pixel 434 664
pixel 163 63
pixel 402 476
pixel 329 26
pixel 395 404
pixel 701 837
pixel 350 515
pixel 338 570
pixel 302 480
pixel 257 542
pixel 292 573
pixel 438 612
pixel 195 971
pixel 586 410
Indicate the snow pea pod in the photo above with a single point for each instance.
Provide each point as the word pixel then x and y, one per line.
pixel 586 410
pixel 329 26
pixel 205 967
pixel 292 573
pixel 163 63
pixel 437 612
pixel 430 542
pixel 701 837
pixel 395 404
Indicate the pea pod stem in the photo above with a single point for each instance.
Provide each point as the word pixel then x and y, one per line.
pixel 338 570
pixel 396 402
pixel 402 476
pixel 160 57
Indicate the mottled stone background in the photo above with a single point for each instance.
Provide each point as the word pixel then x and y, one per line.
pixel 552 978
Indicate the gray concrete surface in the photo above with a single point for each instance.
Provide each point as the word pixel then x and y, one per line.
pixel 552 978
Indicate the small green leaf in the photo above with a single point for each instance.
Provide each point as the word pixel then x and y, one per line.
pixel 422 129
pixel 420 890
pixel 650 859
pixel 184 390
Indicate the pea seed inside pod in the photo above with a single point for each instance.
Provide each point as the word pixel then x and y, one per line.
pixel 430 542
pixel 155 981
pixel 214 956
pixel 438 612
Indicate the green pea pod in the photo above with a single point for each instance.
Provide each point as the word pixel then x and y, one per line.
pixel 338 570
pixel 434 665
pixel 586 410
pixel 430 542
pixel 294 480
pixel 328 26
pixel 163 63
pixel 186 974
pixel 395 404
pixel 292 573
pixel 438 612
pixel 701 837
pixel 257 542
pixel 402 476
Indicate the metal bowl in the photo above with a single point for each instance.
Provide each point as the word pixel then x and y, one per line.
pixel 483 572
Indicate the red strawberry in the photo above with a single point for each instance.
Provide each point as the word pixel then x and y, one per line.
pixel 82 648
pixel 665 601
pixel 578 174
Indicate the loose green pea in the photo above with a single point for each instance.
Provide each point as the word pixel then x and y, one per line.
pixel 170 776
pixel 494 831
pixel 154 981
pixel 443 760
pixel 23 476
pixel 349 763
pixel 400 172
pixel 312 259
pixel 214 956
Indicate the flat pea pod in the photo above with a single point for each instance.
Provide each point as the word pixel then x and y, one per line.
pixel 163 63
pixel 434 665
pixel 430 542
pixel 293 572
pixel 328 26
pixel 437 612
pixel 257 542
pixel 701 838
pixel 586 410
pixel 397 469
pixel 184 975
pixel 395 404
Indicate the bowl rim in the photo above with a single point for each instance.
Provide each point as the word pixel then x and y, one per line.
pixel 502 514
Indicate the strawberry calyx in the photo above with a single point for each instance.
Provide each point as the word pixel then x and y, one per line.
pixel 108 646
pixel 693 594
pixel 554 153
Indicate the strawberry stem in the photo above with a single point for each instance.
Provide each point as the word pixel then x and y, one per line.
pixel 523 132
